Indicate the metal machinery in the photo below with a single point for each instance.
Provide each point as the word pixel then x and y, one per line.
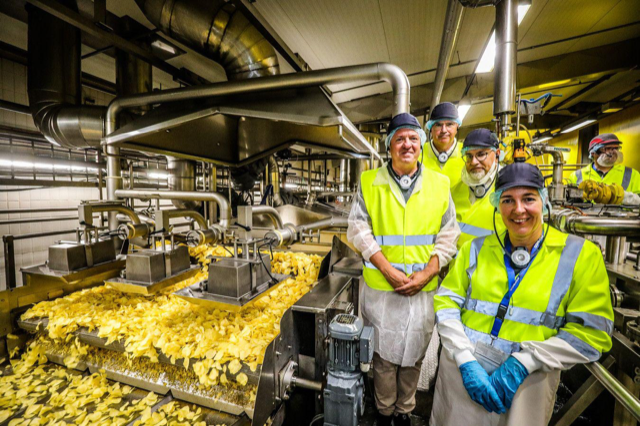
pixel 350 355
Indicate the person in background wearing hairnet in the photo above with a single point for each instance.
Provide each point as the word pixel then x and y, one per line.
pixel 606 180
pixel 403 221
pixel 443 154
pixel 474 212
pixel 516 309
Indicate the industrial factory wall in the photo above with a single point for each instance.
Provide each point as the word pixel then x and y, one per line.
pixel 625 124
pixel 13 87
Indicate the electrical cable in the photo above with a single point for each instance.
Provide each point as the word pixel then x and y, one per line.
pixel 273 280
pixel 316 418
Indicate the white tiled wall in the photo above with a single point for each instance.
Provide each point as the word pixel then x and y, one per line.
pixel 34 251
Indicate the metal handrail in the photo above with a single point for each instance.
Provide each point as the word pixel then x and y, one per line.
pixel 615 388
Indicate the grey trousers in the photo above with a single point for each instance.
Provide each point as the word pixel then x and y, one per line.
pixel 394 386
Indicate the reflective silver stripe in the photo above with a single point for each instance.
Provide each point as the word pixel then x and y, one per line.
pixel 514 313
pixel 390 240
pixel 407 268
pixel 506 346
pixel 626 179
pixel 445 292
pixel 474 230
pixel 476 245
pixel 591 353
pixel 579 176
pixel 592 321
pixel 399 240
pixel 420 240
pixel 449 313
pixel 562 280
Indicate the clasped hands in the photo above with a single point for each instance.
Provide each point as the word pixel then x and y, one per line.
pixel 408 286
pixel 495 393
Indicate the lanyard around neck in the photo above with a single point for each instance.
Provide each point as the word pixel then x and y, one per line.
pixel 514 283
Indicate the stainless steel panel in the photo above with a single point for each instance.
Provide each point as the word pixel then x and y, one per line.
pixel 323 294
pixel 176 260
pixel 67 257
pixel 145 266
pixel 100 252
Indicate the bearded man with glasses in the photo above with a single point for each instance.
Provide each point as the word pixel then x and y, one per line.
pixel 474 212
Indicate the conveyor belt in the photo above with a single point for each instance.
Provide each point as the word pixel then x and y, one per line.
pixel 91 338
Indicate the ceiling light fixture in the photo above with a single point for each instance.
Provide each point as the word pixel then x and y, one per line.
pixel 579 125
pixel 463 109
pixel 488 57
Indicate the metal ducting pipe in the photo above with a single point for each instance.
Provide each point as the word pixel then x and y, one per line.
pixel 452 23
pixel 147 194
pixel 370 72
pixel 53 83
pixel 572 222
pixel 274 180
pixel 270 212
pixel 343 176
pixel 217 30
pixel 504 99
pixel 182 177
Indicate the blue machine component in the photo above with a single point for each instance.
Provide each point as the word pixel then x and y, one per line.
pixel 350 354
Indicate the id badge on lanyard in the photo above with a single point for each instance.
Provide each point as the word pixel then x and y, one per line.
pixel 488 356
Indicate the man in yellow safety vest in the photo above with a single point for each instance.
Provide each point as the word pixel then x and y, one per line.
pixel 403 221
pixel 443 153
pixel 474 212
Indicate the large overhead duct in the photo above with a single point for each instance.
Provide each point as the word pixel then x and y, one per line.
pixel 54 82
pixel 217 30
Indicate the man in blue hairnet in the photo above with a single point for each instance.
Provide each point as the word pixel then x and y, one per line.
pixel 403 221
pixel 443 153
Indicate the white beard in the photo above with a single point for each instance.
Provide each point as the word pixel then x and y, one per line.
pixel 606 160
pixel 479 177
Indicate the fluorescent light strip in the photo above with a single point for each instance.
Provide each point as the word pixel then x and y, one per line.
pixel 579 125
pixel 544 138
pixel 488 57
pixel 463 110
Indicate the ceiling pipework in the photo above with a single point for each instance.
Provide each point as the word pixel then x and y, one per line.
pixel 53 82
pixel 217 30
pixel 450 33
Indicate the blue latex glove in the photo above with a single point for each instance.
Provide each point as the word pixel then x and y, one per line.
pixel 508 378
pixel 478 385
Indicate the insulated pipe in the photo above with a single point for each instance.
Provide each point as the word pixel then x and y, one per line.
pixel 146 194
pixel 270 212
pixel 53 82
pixel 617 389
pixel 182 177
pixel 274 180
pixel 202 223
pixel 557 187
pixel 370 72
pixel 331 222
pixel 117 209
pixel 504 100
pixel 572 222
pixel 452 23
pixel 217 30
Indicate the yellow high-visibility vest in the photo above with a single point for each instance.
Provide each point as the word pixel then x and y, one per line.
pixel 565 294
pixel 406 233
pixel 626 177
pixel 451 169
pixel 475 220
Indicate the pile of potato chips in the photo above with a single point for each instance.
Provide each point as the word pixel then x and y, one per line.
pixel 215 343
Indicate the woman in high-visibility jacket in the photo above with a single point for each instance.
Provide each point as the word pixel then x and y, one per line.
pixel 515 310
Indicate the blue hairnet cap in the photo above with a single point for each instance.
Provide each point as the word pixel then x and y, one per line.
pixel 481 138
pixel 444 111
pixel 402 120
pixel 519 174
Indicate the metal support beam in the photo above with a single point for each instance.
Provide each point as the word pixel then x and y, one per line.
pixel 87 26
